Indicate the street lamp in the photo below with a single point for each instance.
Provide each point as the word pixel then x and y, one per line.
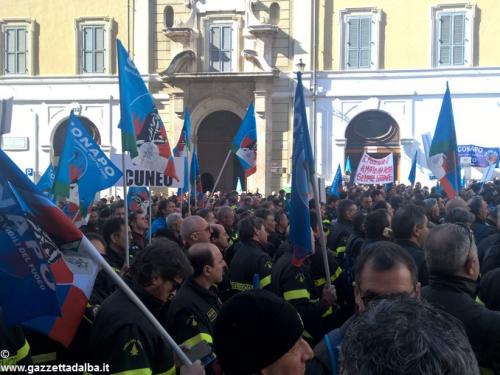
pixel 301 66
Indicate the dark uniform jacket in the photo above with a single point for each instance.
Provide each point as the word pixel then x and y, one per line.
pixel 418 256
pixel 250 260
pixel 104 286
pixel 192 314
pixel 295 285
pixel 338 236
pixel 12 339
pixel 456 296
pixel 481 230
pixel 123 337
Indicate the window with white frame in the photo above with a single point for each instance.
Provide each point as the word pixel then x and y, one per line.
pixel 220 48
pixel 360 36
pixel 94 41
pixel 453 35
pixel 16 46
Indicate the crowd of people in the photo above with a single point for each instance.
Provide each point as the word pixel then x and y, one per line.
pixel 414 286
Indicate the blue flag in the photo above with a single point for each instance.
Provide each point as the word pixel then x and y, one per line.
pixel 244 144
pixel 348 165
pixel 302 172
pixel 87 166
pixel 443 153
pixel 42 254
pixel 183 146
pixel 24 271
pixel 413 171
pixel 336 186
pixel 143 133
pixel 47 180
pixel 194 178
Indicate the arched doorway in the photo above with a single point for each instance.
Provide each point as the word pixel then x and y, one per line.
pixel 60 133
pixel 375 132
pixel 214 138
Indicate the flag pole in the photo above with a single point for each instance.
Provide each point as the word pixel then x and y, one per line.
pixel 321 233
pixel 220 174
pixel 188 190
pixel 150 207
pixel 131 295
pixel 127 263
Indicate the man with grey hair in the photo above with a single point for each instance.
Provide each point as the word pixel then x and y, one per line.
pixel 405 335
pixel 173 229
pixel 452 261
pixel 225 216
pixel 195 229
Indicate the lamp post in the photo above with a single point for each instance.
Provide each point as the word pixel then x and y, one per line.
pixel 300 66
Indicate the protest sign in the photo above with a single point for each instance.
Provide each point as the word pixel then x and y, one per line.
pixel 375 171
pixel 136 175
pixel 477 156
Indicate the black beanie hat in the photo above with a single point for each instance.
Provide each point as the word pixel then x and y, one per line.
pixel 253 330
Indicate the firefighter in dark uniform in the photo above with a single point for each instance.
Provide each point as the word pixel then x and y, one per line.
pixel 15 349
pixel 114 235
pixel 345 294
pixel 295 285
pixel 122 336
pixel 251 266
pixel 192 313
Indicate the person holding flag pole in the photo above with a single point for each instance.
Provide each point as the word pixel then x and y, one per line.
pixel 143 133
pixel 303 176
pixel 67 258
pixel 128 136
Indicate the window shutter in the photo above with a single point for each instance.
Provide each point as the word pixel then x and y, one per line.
pixel 359 39
pixel 99 50
pixel 226 49
pixel 215 48
pixel 445 39
pixel 458 39
pixel 10 49
pixel 365 42
pixel 352 42
pixel 21 51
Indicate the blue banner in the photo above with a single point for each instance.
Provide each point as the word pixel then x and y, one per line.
pixel 477 156
pixel 302 172
pixel 28 287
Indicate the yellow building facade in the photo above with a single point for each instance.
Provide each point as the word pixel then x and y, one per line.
pixel 382 69
pixel 382 62
pixel 407 31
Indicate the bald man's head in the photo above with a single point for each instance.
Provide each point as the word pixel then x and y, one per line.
pixel 195 229
pixel 207 262
pixel 456 202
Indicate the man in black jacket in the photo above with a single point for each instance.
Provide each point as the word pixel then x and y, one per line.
pixel 453 264
pixel 192 313
pixel 251 264
pixel 410 230
pixel 114 235
pixel 122 336
pixel 342 228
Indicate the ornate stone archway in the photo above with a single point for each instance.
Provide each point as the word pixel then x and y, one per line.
pixel 375 132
